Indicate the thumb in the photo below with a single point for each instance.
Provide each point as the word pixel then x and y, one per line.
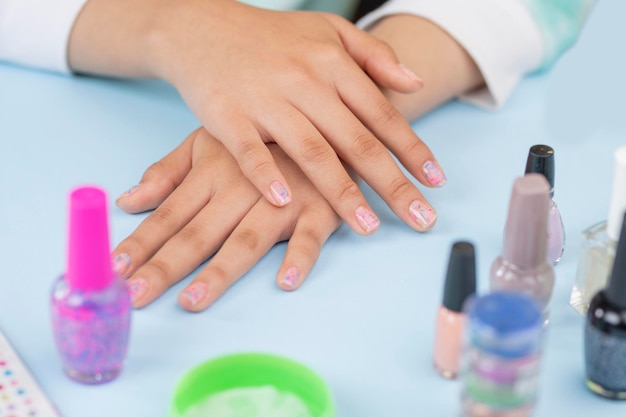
pixel 375 57
pixel 159 180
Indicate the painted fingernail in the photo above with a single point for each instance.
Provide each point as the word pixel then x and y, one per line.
pixel 195 292
pixel 410 74
pixel 366 219
pixel 128 192
pixel 121 263
pixel 434 174
pixel 422 213
pixel 137 288
pixel 290 279
pixel 280 193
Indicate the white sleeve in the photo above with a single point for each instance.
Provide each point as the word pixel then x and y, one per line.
pixel 36 32
pixel 501 36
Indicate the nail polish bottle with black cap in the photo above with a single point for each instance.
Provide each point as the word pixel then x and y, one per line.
pixel 541 161
pixel 459 286
pixel 605 332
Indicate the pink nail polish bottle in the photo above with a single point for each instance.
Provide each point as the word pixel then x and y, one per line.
pixel 460 285
pixel 523 265
pixel 90 305
pixel 541 161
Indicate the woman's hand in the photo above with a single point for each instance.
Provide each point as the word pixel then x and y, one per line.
pixel 307 81
pixel 204 207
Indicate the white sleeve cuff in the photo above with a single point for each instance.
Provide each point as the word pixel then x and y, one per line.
pixel 36 32
pixel 500 35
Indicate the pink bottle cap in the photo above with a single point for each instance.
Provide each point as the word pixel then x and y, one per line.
pixel 89 260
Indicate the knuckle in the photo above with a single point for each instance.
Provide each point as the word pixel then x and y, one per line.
pixel 310 237
pixel 218 275
pixel 247 238
pixel 347 190
pixel 386 114
pixel 254 159
pixel 194 237
pixel 366 146
pixel 160 271
pixel 164 217
pixel 157 169
pixel 328 53
pixel 399 187
pixel 414 147
pixel 316 151
pixel 133 245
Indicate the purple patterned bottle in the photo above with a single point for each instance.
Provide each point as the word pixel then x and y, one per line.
pixel 91 306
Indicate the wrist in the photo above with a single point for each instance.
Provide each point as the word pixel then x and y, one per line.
pixel 175 28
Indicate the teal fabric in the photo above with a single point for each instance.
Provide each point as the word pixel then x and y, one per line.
pixel 560 22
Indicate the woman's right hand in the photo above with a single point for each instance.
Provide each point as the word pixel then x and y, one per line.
pixel 307 81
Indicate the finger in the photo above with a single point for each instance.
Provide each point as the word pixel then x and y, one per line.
pixel 194 244
pixel 375 112
pixel 311 232
pixel 244 142
pixel 375 57
pixel 159 180
pixel 182 204
pixel 319 161
pixel 371 160
pixel 250 240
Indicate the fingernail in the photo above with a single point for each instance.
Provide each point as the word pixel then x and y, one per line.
pixel 121 263
pixel 411 74
pixel 366 219
pixel 290 279
pixel 130 191
pixel 137 288
pixel 195 292
pixel 434 174
pixel 422 213
pixel 280 193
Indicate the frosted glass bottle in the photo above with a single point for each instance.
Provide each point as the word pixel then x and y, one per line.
pixel 599 243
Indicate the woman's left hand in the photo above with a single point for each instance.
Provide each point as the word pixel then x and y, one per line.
pixel 204 206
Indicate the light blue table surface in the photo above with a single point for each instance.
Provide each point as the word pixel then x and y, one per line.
pixel 365 318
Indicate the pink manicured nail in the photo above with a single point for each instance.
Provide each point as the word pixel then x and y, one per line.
pixel 121 263
pixel 366 219
pixel 195 292
pixel 434 174
pixel 411 74
pixel 137 288
pixel 422 213
pixel 280 193
pixel 291 277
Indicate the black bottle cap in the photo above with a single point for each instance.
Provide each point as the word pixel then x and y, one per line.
pixel 541 160
pixel 461 276
pixel 616 289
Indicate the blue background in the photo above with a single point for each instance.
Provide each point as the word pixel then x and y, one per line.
pixel 365 317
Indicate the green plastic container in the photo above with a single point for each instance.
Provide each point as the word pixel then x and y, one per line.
pixel 253 370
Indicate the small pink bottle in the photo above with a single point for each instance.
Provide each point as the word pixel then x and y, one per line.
pixel 91 306
pixel 459 287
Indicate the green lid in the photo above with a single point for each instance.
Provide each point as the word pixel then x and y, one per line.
pixel 252 370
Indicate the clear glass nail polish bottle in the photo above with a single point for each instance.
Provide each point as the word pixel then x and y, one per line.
pixel 605 332
pixel 460 285
pixel 501 360
pixel 523 265
pixel 599 243
pixel 541 161
pixel 90 305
